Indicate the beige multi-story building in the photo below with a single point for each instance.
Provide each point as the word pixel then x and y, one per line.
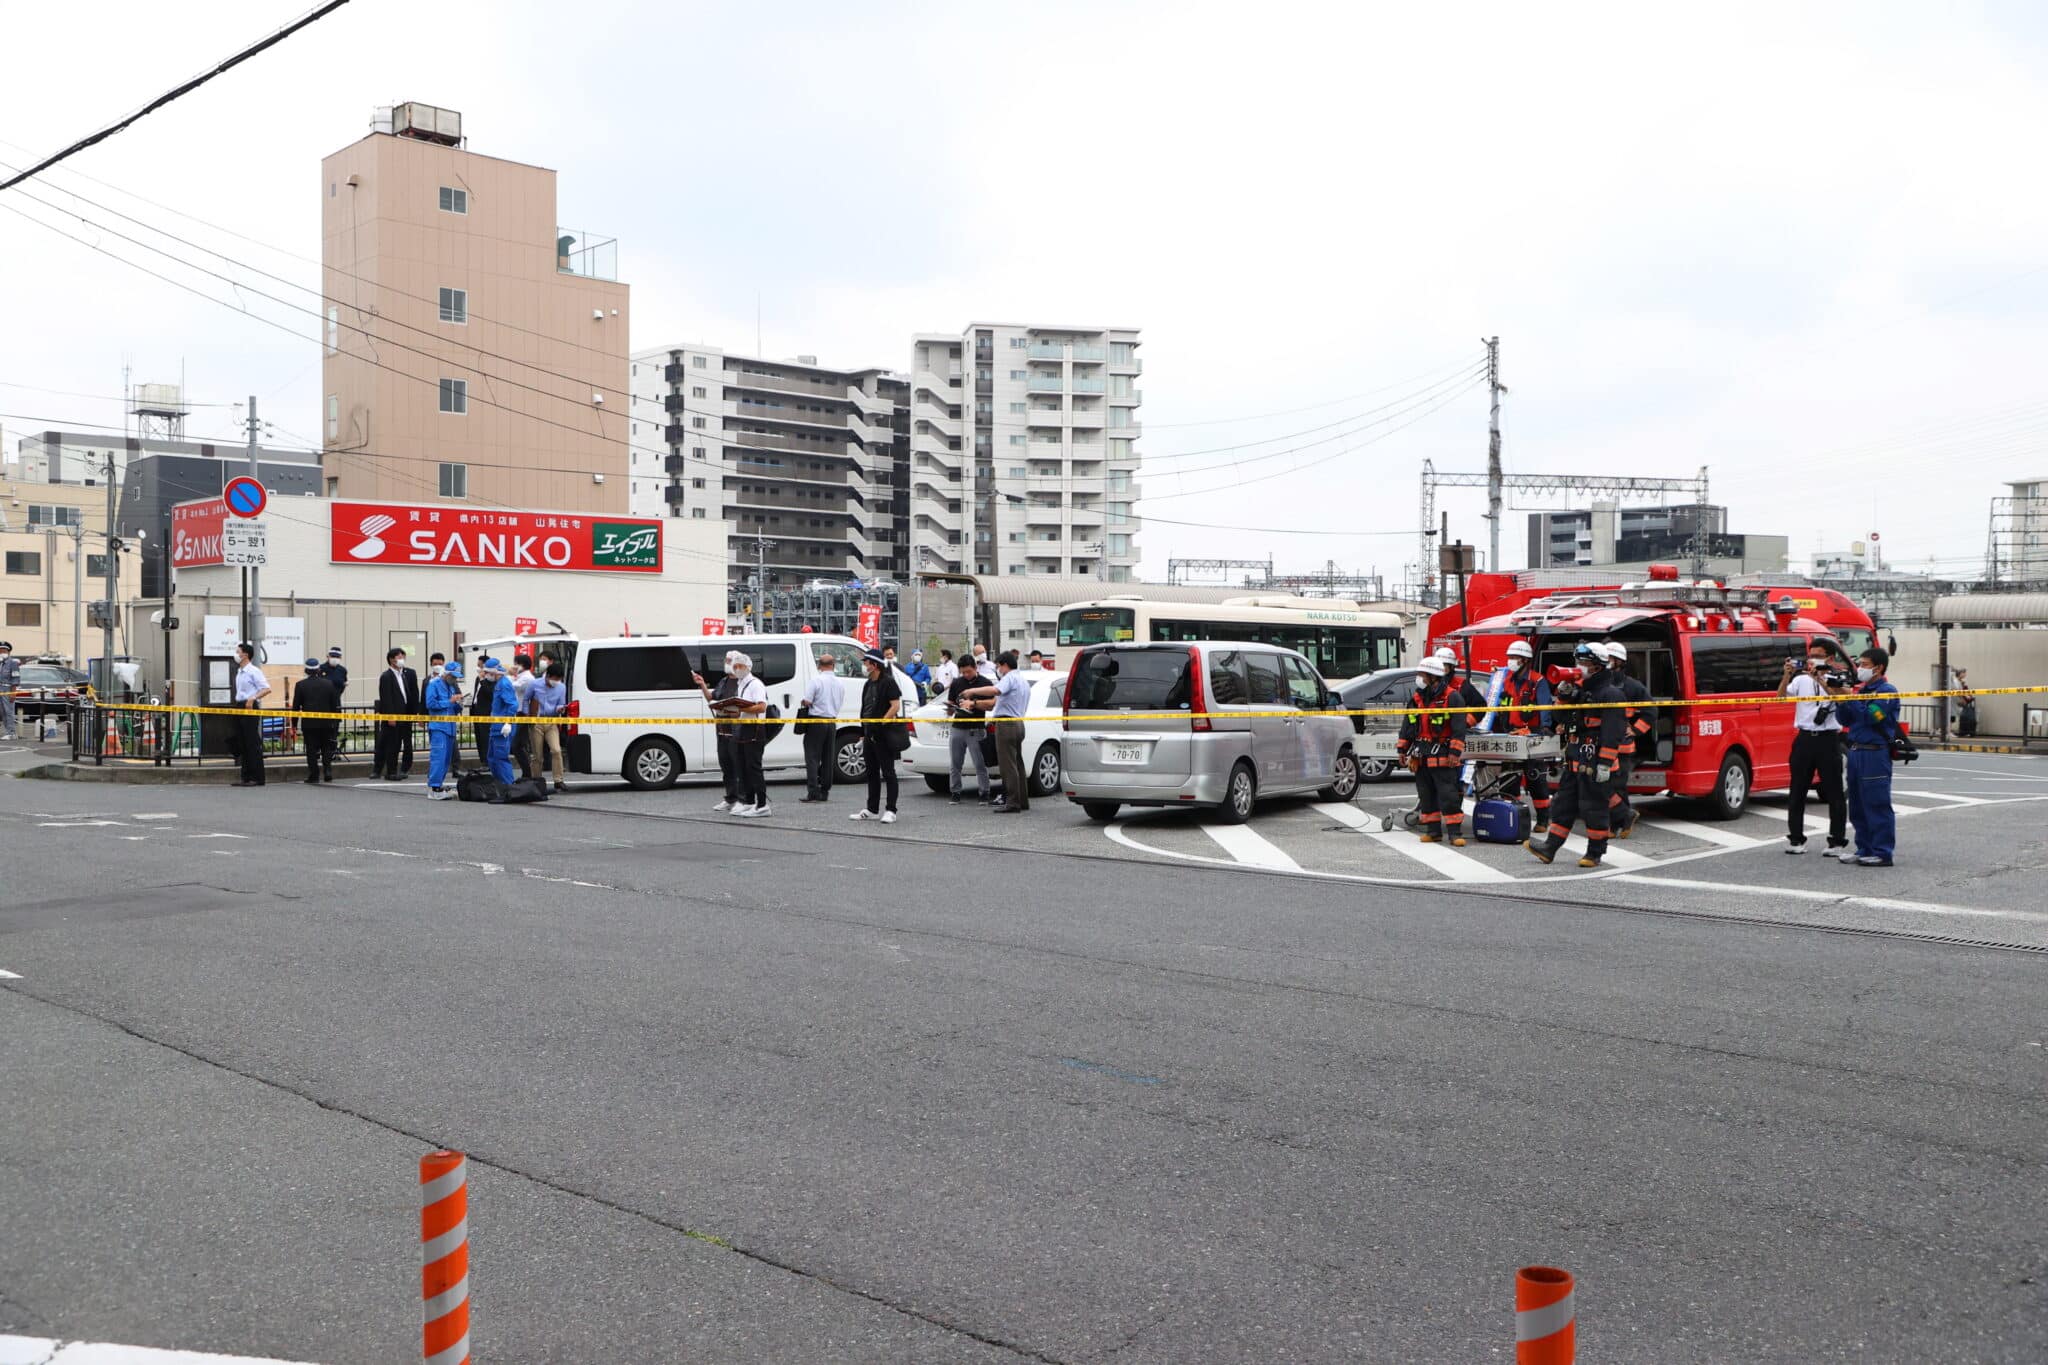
pixel 805 464
pixel 53 545
pixel 1023 451
pixel 475 348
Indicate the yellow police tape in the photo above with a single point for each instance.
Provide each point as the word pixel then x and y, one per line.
pixel 421 718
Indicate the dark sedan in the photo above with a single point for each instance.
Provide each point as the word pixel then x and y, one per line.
pixel 1390 687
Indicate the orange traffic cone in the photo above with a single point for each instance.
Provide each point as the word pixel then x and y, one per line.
pixel 112 747
pixel 1546 1326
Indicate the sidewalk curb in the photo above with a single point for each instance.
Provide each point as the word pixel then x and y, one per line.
pixel 190 775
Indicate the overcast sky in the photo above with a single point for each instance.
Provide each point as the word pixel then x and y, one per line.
pixel 1802 245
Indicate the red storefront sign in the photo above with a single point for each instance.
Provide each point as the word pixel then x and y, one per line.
pixel 197 530
pixel 451 535
pixel 869 632
pixel 713 625
pixel 524 627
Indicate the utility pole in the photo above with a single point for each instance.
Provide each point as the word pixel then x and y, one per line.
pixel 1494 471
pixel 78 590
pixel 113 586
pixel 254 623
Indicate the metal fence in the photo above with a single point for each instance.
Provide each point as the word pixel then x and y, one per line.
pixel 110 734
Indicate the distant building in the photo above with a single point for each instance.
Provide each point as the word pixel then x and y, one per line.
pixel 2017 553
pixel 1608 534
pixel 475 348
pixel 805 464
pixel 158 481
pixel 53 546
pixel 78 457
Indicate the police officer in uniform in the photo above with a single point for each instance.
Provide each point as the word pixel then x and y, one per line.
pixel 1525 695
pixel 317 692
pixel 1432 744
pixel 1870 722
pixel 1639 736
pixel 1592 744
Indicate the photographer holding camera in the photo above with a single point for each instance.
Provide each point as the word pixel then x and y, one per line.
pixel 1816 746
pixel 1870 717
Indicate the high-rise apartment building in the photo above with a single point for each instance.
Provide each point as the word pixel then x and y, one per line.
pixel 1023 451
pixel 475 348
pixel 806 465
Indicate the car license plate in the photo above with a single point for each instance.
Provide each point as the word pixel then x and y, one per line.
pixel 1126 753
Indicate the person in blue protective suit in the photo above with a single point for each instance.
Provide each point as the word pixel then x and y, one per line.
pixel 1870 722
pixel 504 706
pixel 444 700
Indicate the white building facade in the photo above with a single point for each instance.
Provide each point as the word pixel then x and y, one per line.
pixel 1023 453
pixel 804 464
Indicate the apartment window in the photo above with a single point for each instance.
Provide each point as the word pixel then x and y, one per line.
pixel 697 422
pixel 697 391
pixel 697 451
pixel 455 305
pixel 454 200
pixel 1119 417
pixel 45 515
pixel 1116 545
pixel 1122 352
pixel 1117 513
pixel 1018 471
pixel 1119 480
pixel 1016 568
pixel 696 483
pixel 455 395
pixel 96 568
pixel 1016 374
pixel 1017 439
pixel 333 417
pixel 697 512
pixel 697 361
pixel 1017 407
pixel 454 480
pixel 24 613
pixel 24 561
pixel 1120 448
pixel 333 330
pixel 1018 343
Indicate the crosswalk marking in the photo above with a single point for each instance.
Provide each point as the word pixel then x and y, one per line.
pixel 45 1351
pixel 1248 846
pixel 1437 857
pixel 1574 848
pixel 1711 834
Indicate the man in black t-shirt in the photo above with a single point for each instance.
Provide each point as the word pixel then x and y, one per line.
pixel 965 739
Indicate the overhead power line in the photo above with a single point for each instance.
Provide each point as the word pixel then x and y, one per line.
pixel 93 139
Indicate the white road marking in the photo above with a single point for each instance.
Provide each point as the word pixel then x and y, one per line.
pixel 1574 847
pixel 216 834
pixel 157 815
pixel 379 852
pixel 6 975
pixel 1441 858
pixel 1829 897
pixel 1711 834
pixel 536 874
pixel 77 824
pixel 1978 773
pixel 488 869
pixel 1248 846
pixel 45 1351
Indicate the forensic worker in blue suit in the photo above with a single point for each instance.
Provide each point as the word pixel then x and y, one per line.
pixel 504 706
pixel 444 701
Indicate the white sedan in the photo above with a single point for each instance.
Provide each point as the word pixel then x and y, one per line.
pixel 931 756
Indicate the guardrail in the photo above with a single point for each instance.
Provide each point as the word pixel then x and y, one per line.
pixel 113 733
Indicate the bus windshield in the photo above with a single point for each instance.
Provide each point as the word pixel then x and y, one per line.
pixel 1097 626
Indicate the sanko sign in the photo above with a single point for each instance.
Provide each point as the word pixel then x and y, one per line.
pixel 197 529
pixel 450 535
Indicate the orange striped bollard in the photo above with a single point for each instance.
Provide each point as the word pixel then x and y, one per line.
pixel 1546 1326
pixel 444 1253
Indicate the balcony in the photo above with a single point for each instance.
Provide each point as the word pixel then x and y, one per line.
pixel 673 495
pixel 770 441
pixel 1046 383
pixel 580 253
pixel 1046 417
pixel 762 413
pixel 676 464
pixel 1129 398
pixel 1082 384
pixel 1133 365
pixel 785 383
pixel 1088 417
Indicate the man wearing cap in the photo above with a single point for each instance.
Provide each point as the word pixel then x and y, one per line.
pixel 1639 734
pixel 317 692
pixel 251 687
pixel 336 671
pixel 1432 745
pixel 444 702
pixel 1592 745
pixel 10 678
pixel 1526 695
pixel 504 706
pixel 824 699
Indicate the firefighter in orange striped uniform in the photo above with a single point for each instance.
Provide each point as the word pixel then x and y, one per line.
pixel 1592 755
pixel 1432 744
pixel 1526 695
pixel 1640 737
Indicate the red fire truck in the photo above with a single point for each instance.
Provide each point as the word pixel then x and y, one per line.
pixel 1688 642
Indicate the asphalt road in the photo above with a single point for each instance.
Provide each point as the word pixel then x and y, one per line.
pixel 811 1090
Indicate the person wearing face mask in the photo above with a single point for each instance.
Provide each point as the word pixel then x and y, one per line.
pixel 749 699
pixel 521 680
pixel 1869 714
pixel 719 700
pixel 444 701
pixel 1816 750
pixel 983 665
pixel 504 706
pixel 919 675
pixel 1432 745
pixel 1526 697
pixel 1638 733
pixel 1592 752
pixel 398 701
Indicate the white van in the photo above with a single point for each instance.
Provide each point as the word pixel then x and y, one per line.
pixel 648 677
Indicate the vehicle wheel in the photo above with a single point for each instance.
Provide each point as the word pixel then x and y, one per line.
pixel 1344 784
pixel 1101 812
pixel 1045 770
pixel 1238 796
pixel 653 764
pixel 1730 796
pixel 939 783
pixel 1375 769
pixel 851 758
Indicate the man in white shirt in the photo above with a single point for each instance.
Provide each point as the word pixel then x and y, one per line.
pixel 824 699
pixel 1816 750
pixel 750 698
pixel 983 665
pixel 251 687
pixel 943 675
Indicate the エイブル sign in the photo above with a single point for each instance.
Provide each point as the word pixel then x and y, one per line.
pixel 450 535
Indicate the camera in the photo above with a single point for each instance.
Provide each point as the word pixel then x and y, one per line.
pixel 1834 677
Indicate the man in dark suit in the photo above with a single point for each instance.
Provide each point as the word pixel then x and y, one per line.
pixel 399 700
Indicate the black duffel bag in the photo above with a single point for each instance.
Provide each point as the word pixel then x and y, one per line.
pixel 524 789
pixel 480 784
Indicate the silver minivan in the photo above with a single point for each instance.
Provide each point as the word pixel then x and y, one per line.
pixel 1216 723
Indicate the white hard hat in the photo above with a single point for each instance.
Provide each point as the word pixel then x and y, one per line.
pixel 1432 666
pixel 1616 650
pixel 1520 650
pixel 1447 654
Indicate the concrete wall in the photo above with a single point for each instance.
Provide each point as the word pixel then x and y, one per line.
pixel 1995 658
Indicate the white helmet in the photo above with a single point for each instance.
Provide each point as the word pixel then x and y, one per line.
pixel 1433 666
pixel 1616 650
pixel 1520 650
pixel 1446 653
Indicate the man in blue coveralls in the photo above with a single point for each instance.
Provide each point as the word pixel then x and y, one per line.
pixel 444 699
pixel 1869 713
pixel 504 706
